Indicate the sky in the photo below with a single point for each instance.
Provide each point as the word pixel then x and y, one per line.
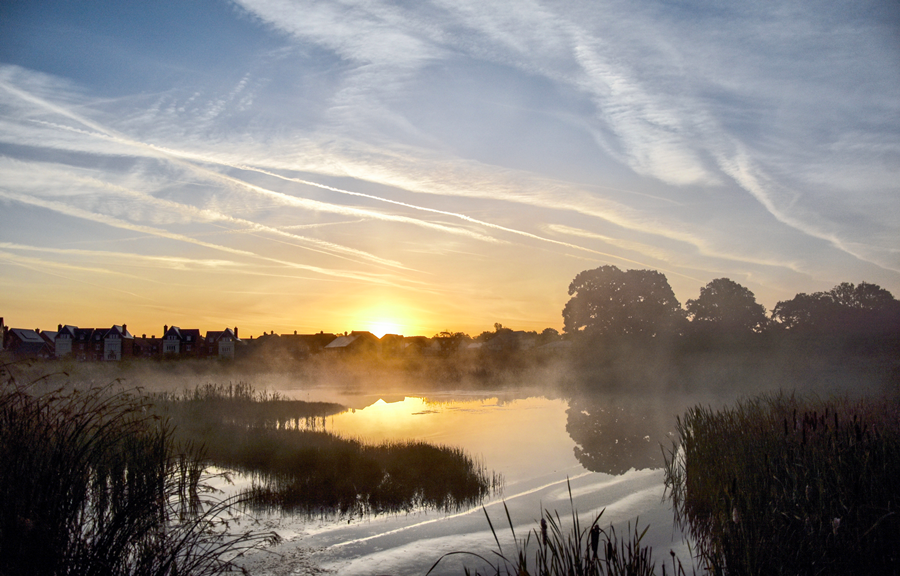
pixel 419 166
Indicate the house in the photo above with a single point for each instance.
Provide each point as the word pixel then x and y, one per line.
pixel 117 342
pixel 299 346
pixel 24 343
pixel 220 344
pixel 64 341
pixel 419 346
pixel 181 342
pixel 392 345
pixel 509 340
pixel 50 338
pixel 97 336
pixel 83 347
pixel 147 347
pixel 355 343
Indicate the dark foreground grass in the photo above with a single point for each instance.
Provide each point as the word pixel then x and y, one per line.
pixel 552 550
pixel 298 468
pixel 92 483
pixel 781 485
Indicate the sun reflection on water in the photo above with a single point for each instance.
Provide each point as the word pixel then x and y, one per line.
pixel 516 437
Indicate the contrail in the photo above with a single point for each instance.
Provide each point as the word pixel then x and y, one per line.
pixel 433 211
pixel 115 222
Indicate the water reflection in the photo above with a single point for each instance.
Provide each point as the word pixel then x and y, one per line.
pixel 614 434
pixel 380 462
pixel 295 466
pixel 523 436
pixel 543 446
pixel 519 438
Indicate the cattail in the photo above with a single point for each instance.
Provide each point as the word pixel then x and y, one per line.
pixel 835 524
pixel 595 539
pixel 543 532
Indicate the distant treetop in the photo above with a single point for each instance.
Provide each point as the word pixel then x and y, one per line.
pixel 846 308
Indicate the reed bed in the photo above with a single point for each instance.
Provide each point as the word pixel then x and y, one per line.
pixel 242 404
pixel 92 483
pixel 301 469
pixel 783 485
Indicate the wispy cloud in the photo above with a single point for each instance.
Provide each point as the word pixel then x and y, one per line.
pixel 74 212
pixel 165 262
pixel 409 146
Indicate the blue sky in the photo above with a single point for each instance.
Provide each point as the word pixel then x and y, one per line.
pixel 419 166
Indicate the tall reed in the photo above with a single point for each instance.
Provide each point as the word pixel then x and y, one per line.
pixel 552 550
pixel 92 482
pixel 782 485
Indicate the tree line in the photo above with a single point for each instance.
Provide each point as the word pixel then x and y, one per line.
pixel 607 301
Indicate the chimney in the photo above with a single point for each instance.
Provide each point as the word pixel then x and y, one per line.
pixel 144 336
pixel 124 329
pixel 235 332
pixel 165 329
pixel 59 328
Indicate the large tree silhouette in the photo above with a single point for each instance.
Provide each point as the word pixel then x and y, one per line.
pixel 727 306
pixel 608 301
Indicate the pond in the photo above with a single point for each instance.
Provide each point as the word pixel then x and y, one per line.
pixel 606 450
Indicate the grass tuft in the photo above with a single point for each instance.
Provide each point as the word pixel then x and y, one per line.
pixel 551 549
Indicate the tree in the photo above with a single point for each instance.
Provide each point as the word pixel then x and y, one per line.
pixel 548 335
pixel 804 311
pixel 863 307
pixel 608 301
pixel 726 305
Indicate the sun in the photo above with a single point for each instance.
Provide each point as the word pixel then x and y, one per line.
pixel 386 315
pixel 382 327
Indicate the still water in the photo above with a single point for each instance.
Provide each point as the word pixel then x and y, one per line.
pixel 606 449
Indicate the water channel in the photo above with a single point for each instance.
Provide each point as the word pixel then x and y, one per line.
pixel 605 449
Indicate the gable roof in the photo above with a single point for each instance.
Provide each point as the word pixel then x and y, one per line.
pixel 120 331
pixel 67 329
pixel 341 341
pixel 216 335
pixel 26 336
pixel 174 331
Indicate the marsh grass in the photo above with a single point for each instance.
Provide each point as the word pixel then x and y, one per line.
pixel 92 483
pixel 298 468
pixel 782 485
pixel 243 405
pixel 551 549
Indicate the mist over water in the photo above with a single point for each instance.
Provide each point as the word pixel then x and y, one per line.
pixel 595 420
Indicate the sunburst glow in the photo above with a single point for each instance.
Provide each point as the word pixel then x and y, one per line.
pixel 382 327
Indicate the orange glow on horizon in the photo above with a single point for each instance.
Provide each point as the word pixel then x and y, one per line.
pixel 387 317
